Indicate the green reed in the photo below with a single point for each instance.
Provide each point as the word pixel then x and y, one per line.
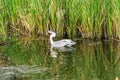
pixel 87 19
pixel 1 23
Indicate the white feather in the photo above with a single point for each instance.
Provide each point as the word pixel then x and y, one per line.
pixel 60 43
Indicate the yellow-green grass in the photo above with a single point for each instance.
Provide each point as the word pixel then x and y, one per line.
pixel 81 18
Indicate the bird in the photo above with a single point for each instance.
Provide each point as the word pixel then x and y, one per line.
pixel 60 43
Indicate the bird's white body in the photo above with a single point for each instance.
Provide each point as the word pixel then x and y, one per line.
pixel 63 43
pixel 60 43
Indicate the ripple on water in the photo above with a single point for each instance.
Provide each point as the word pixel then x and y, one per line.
pixel 20 71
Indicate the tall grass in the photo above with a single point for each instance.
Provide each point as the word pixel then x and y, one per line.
pixel 86 18
pixel 1 23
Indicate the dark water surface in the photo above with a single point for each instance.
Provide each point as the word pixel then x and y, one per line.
pixel 25 59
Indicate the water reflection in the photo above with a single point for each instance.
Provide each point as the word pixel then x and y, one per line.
pixel 87 60
pixel 54 51
pixel 21 71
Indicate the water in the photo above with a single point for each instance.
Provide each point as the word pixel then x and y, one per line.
pixel 27 59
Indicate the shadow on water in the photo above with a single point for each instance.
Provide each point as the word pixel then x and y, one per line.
pixel 26 59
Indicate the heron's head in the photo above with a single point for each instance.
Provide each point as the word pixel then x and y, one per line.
pixel 52 33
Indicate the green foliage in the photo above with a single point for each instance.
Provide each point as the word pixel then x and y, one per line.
pixel 88 18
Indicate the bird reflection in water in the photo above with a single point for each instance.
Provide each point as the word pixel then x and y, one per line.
pixel 55 50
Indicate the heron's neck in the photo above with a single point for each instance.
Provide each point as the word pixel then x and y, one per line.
pixel 51 40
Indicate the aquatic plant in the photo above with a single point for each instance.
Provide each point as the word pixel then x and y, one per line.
pixel 86 19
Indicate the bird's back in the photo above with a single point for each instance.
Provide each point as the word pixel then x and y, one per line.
pixel 62 43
